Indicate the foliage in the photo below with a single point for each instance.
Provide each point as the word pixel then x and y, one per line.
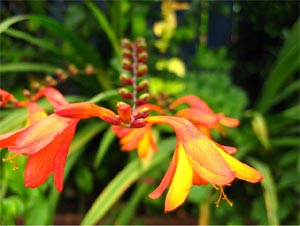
pixel 38 44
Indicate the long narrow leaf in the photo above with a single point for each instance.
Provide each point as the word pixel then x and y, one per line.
pixel 35 41
pixel 27 67
pixel 103 22
pixel 10 21
pixel 286 64
pixel 270 194
pixel 123 181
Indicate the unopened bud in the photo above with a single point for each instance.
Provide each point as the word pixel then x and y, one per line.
pixel 142 86
pixel 124 111
pixel 142 56
pixel 26 93
pixel 126 64
pixel 140 43
pixel 89 69
pixel 126 52
pixel 125 43
pixel 138 123
pixel 142 69
pixel 125 79
pixel 73 70
pixel 143 99
pixel 50 81
pixel 112 120
pixel 125 93
pixel 143 113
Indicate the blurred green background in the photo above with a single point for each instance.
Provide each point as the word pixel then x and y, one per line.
pixel 242 57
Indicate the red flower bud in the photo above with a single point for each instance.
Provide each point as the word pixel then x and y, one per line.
pixel 138 123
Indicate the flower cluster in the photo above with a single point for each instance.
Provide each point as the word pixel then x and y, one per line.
pixel 197 159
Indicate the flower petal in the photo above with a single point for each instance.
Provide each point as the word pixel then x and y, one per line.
pixel 242 171
pixel 40 134
pixel 165 182
pixel 84 110
pixel 181 183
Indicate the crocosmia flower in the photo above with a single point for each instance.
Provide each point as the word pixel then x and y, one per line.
pixel 197 160
pixel 45 140
pixel 201 115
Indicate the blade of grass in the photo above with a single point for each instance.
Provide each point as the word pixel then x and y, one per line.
pixel 10 21
pixel 270 193
pixel 104 145
pixel 28 67
pixel 103 22
pixel 286 64
pixel 122 182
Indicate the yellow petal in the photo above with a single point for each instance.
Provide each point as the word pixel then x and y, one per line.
pixel 181 183
pixel 242 171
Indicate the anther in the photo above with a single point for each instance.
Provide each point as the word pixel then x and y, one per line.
pixel 13 159
pixel 222 196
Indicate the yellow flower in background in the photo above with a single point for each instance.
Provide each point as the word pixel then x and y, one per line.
pixel 173 65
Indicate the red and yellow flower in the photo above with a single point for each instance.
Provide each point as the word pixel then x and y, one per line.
pixel 45 140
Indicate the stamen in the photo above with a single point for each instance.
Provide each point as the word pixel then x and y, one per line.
pixel 222 196
pixel 13 158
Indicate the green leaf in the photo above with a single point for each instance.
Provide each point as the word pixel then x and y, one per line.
pixel 105 143
pixel 123 181
pixel 35 41
pixel 103 22
pixel 270 193
pixel 10 21
pixel 286 64
pixel 27 67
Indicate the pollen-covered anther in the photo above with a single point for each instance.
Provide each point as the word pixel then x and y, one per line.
pixel 142 86
pixel 138 123
pixel 125 79
pixel 126 64
pixel 125 93
pixel 13 158
pixel 222 196
pixel 142 69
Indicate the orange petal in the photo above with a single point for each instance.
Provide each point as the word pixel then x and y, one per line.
pixel 181 183
pixel 194 102
pixel 61 156
pixel 53 96
pixel 124 111
pixel 84 110
pixel 39 134
pixel 197 116
pixel 165 182
pixel 35 113
pixel 202 152
pixel 229 122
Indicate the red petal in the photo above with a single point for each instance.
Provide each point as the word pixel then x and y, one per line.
pixel 166 181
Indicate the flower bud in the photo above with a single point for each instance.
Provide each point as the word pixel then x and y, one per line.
pixel 124 111
pixel 143 113
pixel 142 69
pixel 142 86
pixel 138 123
pixel 142 56
pixel 112 120
pixel 125 93
pixel 126 64
pixel 125 79
pixel 50 81
pixel 140 44
pixel 73 70
pixel 125 43
pixel 143 99
pixel 89 69
pixel 126 53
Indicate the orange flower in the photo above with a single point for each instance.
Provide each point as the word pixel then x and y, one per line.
pixel 201 115
pixel 45 140
pixel 197 160
pixel 136 138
